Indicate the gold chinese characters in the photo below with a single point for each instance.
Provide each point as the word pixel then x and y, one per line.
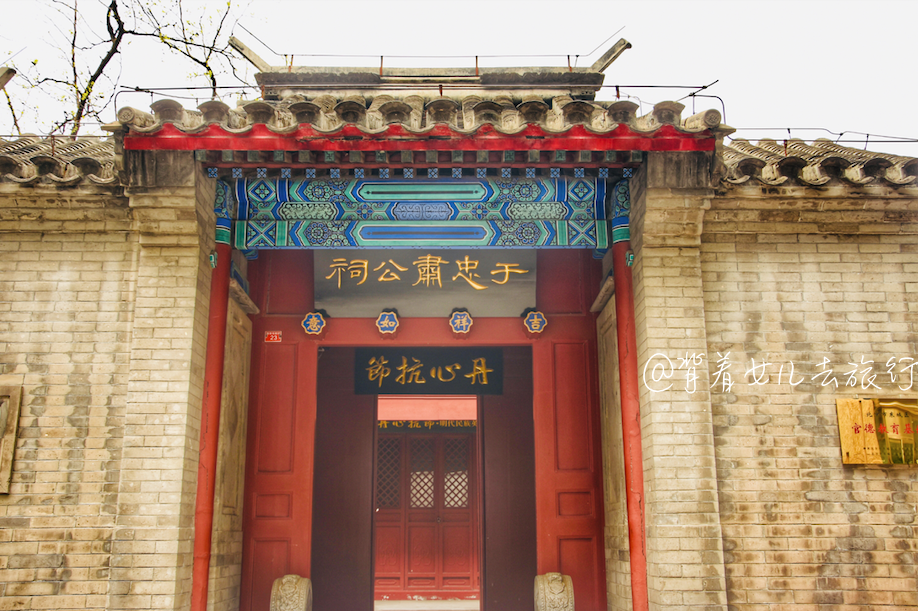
pixel 412 372
pixel 426 424
pixel 431 271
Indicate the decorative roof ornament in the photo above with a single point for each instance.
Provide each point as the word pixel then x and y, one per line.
pixel 32 160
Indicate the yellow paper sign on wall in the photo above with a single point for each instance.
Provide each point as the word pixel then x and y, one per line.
pixel 878 431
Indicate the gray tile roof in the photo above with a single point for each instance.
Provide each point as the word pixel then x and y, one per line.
pixel 58 160
pixel 418 115
pixel 794 161
pixel 65 161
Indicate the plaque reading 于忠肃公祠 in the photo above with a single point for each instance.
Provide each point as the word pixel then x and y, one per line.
pixel 428 371
pixel 424 284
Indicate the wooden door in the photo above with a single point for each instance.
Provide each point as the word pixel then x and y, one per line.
pixel 426 516
pixel 279 466
pixel 342 515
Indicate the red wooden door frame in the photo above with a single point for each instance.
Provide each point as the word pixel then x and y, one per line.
pixel 568 484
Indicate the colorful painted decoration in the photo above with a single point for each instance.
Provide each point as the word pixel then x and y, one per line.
pixel 387 322
pixel 621 210
pixel 420 234
pixel 461 322
pixel 314 323
pixel 435 198
pixel 464 212
pixel 535 322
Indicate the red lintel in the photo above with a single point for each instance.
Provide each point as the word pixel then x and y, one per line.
pixel 397 138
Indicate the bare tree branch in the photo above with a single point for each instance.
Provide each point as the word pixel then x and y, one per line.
pixel 92 72
pixel 9 103
pixel 184 44
pixel 117 32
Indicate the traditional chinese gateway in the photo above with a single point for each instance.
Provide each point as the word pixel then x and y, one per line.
pixel 420 335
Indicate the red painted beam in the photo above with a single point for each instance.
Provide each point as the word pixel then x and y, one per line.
pixel 631 423
pixel 396 138
pixel 210 428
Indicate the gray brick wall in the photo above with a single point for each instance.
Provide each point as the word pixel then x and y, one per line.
pixel 65 329
pixel 103 309
pixel 801 530
pixel 749 507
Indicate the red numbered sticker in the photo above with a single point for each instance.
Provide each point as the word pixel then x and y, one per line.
pixel 272 336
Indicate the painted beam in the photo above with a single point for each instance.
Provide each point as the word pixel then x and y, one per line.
pixel 417 199
pixel 269 234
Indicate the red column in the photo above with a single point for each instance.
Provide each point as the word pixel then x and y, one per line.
pixel 210 427
pixel 631 422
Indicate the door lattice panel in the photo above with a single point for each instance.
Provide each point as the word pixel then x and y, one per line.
pixel 456 477
pixel 422 473
pixel 388 473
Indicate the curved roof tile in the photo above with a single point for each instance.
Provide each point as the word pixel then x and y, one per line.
pixel 465 115
pixel 818 163
pixel 34 160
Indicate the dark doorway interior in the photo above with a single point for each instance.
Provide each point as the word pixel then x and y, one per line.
pixel 508 461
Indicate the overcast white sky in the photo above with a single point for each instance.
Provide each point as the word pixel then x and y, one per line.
pixel 839 65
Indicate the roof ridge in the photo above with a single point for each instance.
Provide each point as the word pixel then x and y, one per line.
pixel 372 114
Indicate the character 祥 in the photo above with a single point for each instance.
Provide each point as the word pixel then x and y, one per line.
pixel 460 322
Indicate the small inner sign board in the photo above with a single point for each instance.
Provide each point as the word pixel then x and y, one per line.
pixel 429 371
pixel 425 284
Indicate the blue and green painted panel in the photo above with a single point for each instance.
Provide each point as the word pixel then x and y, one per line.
pixel 621 212
pixel 440 199
pixel 225 210
pixel 404 213
pixel 260 234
